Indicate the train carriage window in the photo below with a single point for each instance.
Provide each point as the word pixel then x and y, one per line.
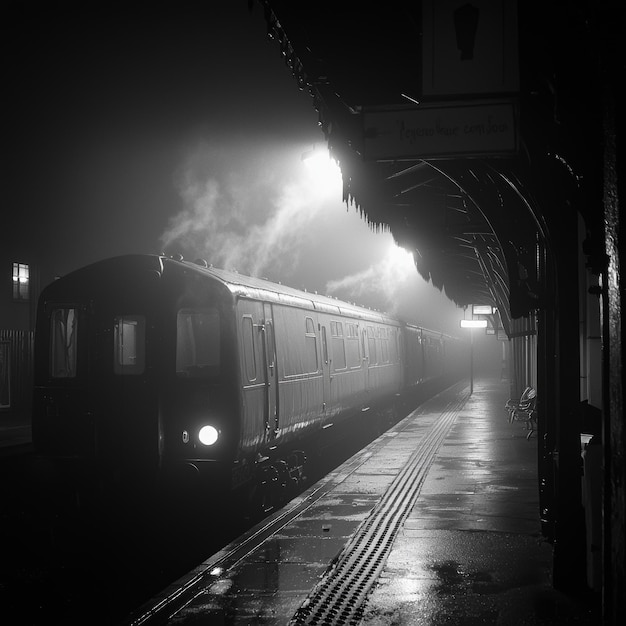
pixel 363 334
pixel 371 344
pixel 396 346
pixel 270 343
pixel 249 349
pixel 310 356
pixel 129 349
pixel 324 346
pixel 384 345
pixel 352 346
pixel 198 343
pixel 338 347
pixel 63 340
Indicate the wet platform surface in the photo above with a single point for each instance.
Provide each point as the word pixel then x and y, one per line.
pixel 468 551
pixel 471 551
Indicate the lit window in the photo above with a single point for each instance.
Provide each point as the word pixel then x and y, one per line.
pixel 21 281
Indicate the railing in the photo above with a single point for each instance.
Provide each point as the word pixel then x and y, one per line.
pixel 16 369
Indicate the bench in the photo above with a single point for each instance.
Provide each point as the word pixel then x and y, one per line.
pixel 524 410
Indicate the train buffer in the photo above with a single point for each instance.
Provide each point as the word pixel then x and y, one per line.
pixel 436 520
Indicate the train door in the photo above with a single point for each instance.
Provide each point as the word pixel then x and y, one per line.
pixel 129 396
pixel 272 421
pixel 256 399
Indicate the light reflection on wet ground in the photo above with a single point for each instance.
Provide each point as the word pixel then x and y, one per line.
pixel 278 576
pixel 469 553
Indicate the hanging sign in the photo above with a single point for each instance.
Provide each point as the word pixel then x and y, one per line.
pixel 436 131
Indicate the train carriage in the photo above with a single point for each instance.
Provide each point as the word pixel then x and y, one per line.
pixel 149 367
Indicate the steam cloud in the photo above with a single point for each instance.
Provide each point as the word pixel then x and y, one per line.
pixel 254 219
pixel 384 283
pixel 264 217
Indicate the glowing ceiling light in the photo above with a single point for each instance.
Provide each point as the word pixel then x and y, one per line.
pixel 483 309
pixel 473 323
pixel 401 259
pixel 321 168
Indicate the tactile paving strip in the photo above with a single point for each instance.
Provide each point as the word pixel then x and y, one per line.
pixel 339 597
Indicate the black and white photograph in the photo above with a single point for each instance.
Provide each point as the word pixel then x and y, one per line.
pixel 312 313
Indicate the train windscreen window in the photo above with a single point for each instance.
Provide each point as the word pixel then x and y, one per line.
pixel 198 343
pixel 63 340
pixel 129 336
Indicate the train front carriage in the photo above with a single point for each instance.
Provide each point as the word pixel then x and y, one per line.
pixel 134 374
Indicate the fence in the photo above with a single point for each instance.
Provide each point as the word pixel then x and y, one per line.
pixel 16 369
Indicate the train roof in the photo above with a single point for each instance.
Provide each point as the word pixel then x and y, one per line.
pixel 238 284
pixel 244 286
pixel 248 286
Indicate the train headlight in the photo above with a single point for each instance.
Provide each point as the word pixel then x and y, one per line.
pixel 208 435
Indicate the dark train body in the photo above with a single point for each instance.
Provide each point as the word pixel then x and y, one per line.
pixel 149 368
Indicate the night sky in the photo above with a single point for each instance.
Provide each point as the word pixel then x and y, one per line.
pixel 143 127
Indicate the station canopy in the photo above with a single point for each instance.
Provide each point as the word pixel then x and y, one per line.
pixel 452 174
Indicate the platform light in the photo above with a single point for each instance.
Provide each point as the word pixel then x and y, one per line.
pixel 322 167
pixel 473 323
pixel 208 435
pixel 483 309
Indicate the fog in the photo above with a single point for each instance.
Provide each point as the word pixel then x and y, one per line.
pixel 266 210
pixel 184 132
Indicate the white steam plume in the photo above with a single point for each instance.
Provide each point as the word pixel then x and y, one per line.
pixel 383 284
pixel 252 220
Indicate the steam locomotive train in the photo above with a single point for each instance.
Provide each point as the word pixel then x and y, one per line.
pixel 148 367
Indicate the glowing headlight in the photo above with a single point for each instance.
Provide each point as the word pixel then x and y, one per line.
pixel 208 435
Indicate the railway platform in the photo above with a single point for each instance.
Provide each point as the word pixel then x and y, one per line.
pixel 435 522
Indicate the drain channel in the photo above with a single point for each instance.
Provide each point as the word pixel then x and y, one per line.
pixel 339 596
